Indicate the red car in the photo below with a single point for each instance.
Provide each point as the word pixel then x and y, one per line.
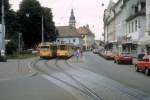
pixel 123 58
pixel 143 65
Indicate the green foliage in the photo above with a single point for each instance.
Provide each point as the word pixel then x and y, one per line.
pixel 7 7
pixel 31 25
pixel 49 27
pixel 12 46
pixel 11 25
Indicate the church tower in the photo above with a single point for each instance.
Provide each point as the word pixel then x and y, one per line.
pixel 72 20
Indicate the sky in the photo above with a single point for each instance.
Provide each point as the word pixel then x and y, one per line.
pixel 86 12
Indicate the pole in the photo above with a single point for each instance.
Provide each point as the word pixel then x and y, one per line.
pixel 19 42
pixel 42 31
pixel 3 27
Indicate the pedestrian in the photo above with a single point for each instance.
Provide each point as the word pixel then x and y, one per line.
pixel 77 54
pixel 81 52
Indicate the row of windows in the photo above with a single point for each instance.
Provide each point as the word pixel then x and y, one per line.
pixel 133 26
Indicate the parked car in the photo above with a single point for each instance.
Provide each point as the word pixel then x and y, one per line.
pixel 123 58
pixel 95 51
pixel 101 52
pixel 109 55
pixel 143 64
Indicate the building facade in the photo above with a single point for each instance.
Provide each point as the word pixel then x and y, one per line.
pixel 125 21
pixel 87 36
pixel 69 34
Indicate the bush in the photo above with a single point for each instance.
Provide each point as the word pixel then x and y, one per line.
pixel 11 47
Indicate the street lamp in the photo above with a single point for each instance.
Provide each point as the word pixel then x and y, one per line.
pixel 42 31
pixel 3 30
pixel 19 42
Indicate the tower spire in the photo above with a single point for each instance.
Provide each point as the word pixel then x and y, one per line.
pixel 72 20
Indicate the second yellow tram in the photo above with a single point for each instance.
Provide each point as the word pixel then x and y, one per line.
pixel 65 50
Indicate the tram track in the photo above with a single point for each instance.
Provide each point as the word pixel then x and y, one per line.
pixel 138 96
pixel 81 87
pixel 85 90
pixel 91 92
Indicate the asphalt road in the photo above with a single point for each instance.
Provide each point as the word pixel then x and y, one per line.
pixel 79 77
pixel 89 78
pixel 32 88
pixel 124 74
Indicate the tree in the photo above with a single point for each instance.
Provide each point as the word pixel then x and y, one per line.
pixel 31 24
pixel 49 27
pixel 9 17
pixel 7 7
pixel 11 25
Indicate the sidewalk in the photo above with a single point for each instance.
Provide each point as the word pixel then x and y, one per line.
pixel 15 69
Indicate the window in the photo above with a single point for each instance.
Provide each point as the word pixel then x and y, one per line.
pixel 135 25
pixel 139 24
pixel 129 28
pixel 136 9
pixel 74 40
pixel 132 27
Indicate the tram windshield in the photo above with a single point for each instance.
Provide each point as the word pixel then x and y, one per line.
pixel 44 47
pixel 62 47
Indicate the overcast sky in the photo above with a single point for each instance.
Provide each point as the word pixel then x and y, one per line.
pixel 86 12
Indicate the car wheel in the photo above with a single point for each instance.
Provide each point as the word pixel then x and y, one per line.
pixel 147 71
pixel 117 62
pixel 131 63
pixel 136 68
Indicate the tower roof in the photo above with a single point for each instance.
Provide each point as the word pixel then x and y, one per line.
pixel 72 17
pixel 72 20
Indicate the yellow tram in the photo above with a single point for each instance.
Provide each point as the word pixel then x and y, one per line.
pixel 65 50
pixel 47 50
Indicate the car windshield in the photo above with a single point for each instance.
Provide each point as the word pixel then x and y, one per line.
pixel 86 49
pixel 126 53
pixel 140 56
